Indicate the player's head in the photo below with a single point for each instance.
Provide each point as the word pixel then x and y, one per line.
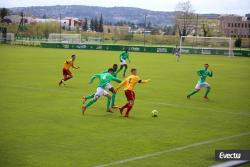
pixel 126 49
pixel 73 57
pixel 206 66
pixel 133 71
pixel 115 66
pixel 110 70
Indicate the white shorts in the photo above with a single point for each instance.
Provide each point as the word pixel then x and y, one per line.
pixel 123 62
pixel 108 86
pixel 200 85
pixel 101 92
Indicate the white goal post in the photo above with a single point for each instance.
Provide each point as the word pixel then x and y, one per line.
pixel 65 38
pixel 207 45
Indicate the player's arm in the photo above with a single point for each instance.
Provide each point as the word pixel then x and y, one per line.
pixel 123 83
pixel 93 78
pixel 116 79
pixel 144 81
pixel 74 66
pixel 210 74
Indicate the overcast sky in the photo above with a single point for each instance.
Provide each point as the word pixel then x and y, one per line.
pixel 240 7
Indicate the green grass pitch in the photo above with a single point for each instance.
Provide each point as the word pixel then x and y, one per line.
pixel 41 124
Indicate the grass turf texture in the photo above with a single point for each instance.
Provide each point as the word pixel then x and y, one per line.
pixel 41 124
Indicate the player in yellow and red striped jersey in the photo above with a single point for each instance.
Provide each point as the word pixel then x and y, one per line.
pixel 129 84
pixel 66 72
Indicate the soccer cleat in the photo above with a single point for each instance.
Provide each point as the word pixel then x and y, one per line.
pixel 110 111
pixel 126 116
pixel 120 110
pixel 60 83
pixel 83 110
pixel 205 97
pixel 84 100
pixel 188 96
pixel 115 106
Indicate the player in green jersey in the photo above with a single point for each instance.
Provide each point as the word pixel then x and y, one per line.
pixel 104 79
pixel 123 57
pixel 202 73
pixel 111 88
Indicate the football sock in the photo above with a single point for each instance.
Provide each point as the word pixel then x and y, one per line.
pixel 66 78
pixel 192 93
pixel 124 72
pixel 207 91
pixel 128 110
pixel 89 103
pixel 113 99
pixel 108 103
pixel 90 96
pixel 125 106
pixel 119 69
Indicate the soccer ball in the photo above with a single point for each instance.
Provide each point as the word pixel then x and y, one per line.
pixel 154 113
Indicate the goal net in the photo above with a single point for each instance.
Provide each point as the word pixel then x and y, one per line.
pixel 94 40
pixel 8 37
pixel 206 45
pixel 65 38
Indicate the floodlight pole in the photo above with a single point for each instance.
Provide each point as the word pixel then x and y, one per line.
pixel 60 27
pixel 145 22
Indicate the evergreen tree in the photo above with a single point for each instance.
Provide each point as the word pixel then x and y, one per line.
pixel 4 12
pixel 85 25
pixel 100 29
pixel 92 26
pixel 96 24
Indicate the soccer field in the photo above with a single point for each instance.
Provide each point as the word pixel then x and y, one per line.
pixel 41 124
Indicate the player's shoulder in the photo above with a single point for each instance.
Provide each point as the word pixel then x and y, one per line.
pixel 69 60
pixel 135 77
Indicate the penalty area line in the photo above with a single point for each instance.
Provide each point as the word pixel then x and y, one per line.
pixel 172 150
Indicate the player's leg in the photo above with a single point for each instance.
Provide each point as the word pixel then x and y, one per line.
pixel 64 72
pixel 68 76
pixel 177 57
pixel 125 105
pixel 197 89
pixel 207 91
pixel 121 67
pixel 130 104
pixel 106 94
pixel 111 89
pixel 98 94
pixel 85 98
pixel 113 98
pixel 125 69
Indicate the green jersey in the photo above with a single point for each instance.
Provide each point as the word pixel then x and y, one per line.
pixel 203 73
pixel 124 55
pixel 104 79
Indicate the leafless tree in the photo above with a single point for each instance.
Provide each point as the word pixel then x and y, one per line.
pixel 185 20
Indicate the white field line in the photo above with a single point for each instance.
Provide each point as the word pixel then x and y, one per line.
pixel 172 150
pixel 198 108
pixel 59 89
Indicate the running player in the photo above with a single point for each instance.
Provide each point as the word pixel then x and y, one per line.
pixel 177 53
pixel 111 88
pixel 202 73
pixel 129 84
pixel 66 72
pixel 104 79
pixel 123 57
